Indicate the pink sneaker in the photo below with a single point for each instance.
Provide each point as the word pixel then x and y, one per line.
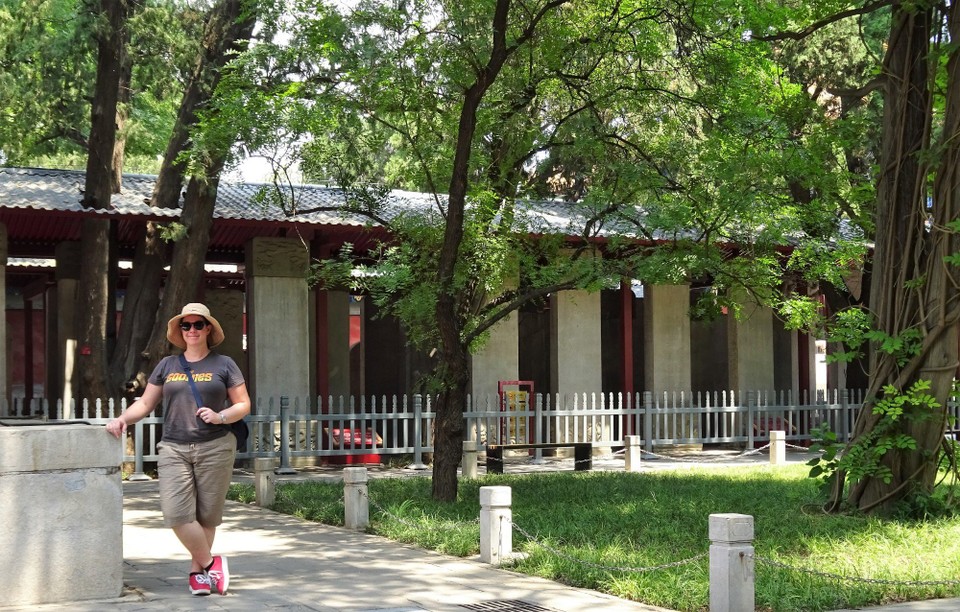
pixel 219 575
pixel 199 583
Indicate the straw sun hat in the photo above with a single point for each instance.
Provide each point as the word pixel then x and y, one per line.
pixel 173 326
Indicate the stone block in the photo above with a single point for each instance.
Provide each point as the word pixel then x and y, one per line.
pixel 62 514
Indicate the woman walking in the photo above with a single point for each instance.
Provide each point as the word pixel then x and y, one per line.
pixel 197 449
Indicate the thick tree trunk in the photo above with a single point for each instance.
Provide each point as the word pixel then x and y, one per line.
pixel 141 341
pixel 139 312
pixel 924 294
pixel 92 299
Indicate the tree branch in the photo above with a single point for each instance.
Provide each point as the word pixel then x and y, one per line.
pixel 817 25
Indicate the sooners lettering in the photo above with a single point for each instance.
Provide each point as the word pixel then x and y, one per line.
pixel 197 377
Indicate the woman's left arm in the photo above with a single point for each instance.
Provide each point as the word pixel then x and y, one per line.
pixel 239 404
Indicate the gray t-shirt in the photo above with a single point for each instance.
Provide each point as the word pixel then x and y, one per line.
pixel 213 375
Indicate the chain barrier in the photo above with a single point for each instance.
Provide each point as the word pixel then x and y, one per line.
pixel 616 454
pixel 633 570
pixel 530 537
pixel 638 570
pixel 859 579
pixel 748 453
pixel 575 462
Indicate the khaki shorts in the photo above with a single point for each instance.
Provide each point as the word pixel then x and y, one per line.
pixel 194 479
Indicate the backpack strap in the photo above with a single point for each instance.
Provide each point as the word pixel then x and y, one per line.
pixel 193 386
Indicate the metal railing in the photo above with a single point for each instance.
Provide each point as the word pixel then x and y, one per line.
pixel 296 428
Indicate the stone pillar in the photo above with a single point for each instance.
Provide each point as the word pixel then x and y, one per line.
pixel 575 358
pixel 575 342
pixel 277 320
pixel 633 453
pixel 264 481
pixel 356 505
pixel 64 344
pixel 778 447
pixel 227 306
pixel 61 520
pixel 498 359
pixel 731 563
pixel 750 349
pixel 496 524
pixel 469 459
pixel 666 326
pixel 786 356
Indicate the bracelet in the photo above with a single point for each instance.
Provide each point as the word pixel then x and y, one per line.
pixel 223 420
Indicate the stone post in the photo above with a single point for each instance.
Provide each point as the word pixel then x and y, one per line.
pixel 731 563
pixel 496 524
pixel 356 504
pixel 778 447
pixel 278 339
pixel 264 482
pixel 469 461
pixel 633 453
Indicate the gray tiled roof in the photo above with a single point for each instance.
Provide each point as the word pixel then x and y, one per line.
pixel 60 190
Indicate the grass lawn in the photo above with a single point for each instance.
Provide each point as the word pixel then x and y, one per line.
pixel 596 529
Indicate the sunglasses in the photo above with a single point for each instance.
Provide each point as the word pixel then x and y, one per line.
pixel 197 325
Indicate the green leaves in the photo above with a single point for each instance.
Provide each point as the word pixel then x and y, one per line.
pixel 866 457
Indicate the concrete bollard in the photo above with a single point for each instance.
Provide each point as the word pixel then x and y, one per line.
pixel 264 483
pixel 496 524
pixel 778 447
pixel 356 505
pixel 731 563
pixel 632 454
pixel 469 461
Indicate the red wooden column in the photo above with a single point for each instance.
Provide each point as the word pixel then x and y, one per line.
pixel 626 329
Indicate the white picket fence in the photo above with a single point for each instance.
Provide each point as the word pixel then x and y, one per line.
pixel 293 428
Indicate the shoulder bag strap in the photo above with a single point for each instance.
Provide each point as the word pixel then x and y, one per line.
pixel 193 386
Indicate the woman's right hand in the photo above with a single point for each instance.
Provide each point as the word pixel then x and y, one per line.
pixel 117 427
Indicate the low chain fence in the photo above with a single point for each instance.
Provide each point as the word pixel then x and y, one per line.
pixel 732 558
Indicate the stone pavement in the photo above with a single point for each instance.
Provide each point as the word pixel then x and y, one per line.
pixel 279 562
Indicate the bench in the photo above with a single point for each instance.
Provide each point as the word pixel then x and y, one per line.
pixel 582 454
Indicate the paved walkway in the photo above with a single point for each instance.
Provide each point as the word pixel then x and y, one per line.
pixel 279 562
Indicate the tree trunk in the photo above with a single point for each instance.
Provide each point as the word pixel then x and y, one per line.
pixel 141 341
pixel 453 353
pixel 449 425
pixel 92 297
pixel 186 269
pixel 139 312
pixel 923 294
